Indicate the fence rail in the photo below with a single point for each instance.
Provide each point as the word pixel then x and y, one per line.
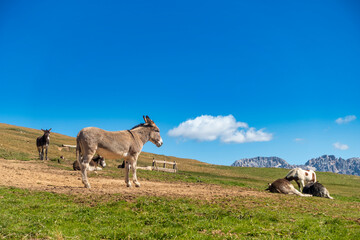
pixel 163 168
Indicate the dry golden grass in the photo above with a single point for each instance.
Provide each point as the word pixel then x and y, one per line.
pixel 20 143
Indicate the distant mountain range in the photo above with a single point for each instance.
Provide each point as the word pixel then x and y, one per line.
pixel 325 163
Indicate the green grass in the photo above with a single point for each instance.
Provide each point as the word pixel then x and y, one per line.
pixel 340 186
pixel 6 154
pixel 25 214
pixel 28 214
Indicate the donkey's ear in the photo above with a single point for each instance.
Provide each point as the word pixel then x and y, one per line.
pixel 43 130
pixel 50 129
pixel 144 119
pixel 149 120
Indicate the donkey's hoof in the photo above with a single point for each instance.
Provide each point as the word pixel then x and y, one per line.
pixel 128 184
pixel 137 184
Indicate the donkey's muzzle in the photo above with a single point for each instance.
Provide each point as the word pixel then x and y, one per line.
pixel 159 143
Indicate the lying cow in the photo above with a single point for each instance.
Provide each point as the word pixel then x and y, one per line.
pixel 93 165
pixel 284 186
pixel 317 190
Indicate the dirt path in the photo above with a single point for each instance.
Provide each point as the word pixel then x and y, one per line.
pixel 36 175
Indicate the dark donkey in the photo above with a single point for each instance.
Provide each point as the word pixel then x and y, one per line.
pixel 42 144
pixel 126 144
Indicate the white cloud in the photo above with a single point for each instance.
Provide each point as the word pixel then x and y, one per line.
pixel 340 146
pixel 346 119
pixel 225 128
pixel 298 139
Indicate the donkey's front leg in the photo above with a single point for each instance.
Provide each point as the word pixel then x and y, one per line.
pixel 133 165
pixel 42 153
pixel 127 172
pixel 84 166
pixel 46 150
pixel 39 150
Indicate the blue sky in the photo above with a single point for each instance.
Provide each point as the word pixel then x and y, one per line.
pixel 223 81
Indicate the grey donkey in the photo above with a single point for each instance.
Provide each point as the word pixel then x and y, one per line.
pixel 42 144
pixel 126 144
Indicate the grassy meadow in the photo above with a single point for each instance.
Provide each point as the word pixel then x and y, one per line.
pixel 26 214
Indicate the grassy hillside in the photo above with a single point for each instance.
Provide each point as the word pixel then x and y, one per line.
pixel 43 215
pixel 19 143
pixel 27 214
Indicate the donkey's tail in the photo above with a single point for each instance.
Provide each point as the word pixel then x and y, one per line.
pixel 78 151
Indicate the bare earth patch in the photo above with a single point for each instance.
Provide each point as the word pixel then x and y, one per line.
pixel 35 175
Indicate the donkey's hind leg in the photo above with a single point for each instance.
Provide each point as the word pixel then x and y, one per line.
pixel 127 172
pixel 84 165
pixel 39 150
pixel 42 153
pixel 296 192
pixel 133 165
pixel 46 151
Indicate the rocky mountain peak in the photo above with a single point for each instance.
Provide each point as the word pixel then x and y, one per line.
pixel 271 162
pixel 324 163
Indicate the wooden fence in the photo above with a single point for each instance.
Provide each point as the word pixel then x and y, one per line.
pixel 160 165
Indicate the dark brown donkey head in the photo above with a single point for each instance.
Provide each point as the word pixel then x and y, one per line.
pixel 44 139
pixel 46 132
pixel 155 137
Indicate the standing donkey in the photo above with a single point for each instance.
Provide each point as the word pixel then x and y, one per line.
pixel 42 144
pixel 125 144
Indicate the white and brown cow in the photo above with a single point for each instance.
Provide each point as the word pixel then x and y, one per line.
pixel 301 177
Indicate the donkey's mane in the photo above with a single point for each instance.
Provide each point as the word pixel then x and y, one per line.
pixel 140 125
